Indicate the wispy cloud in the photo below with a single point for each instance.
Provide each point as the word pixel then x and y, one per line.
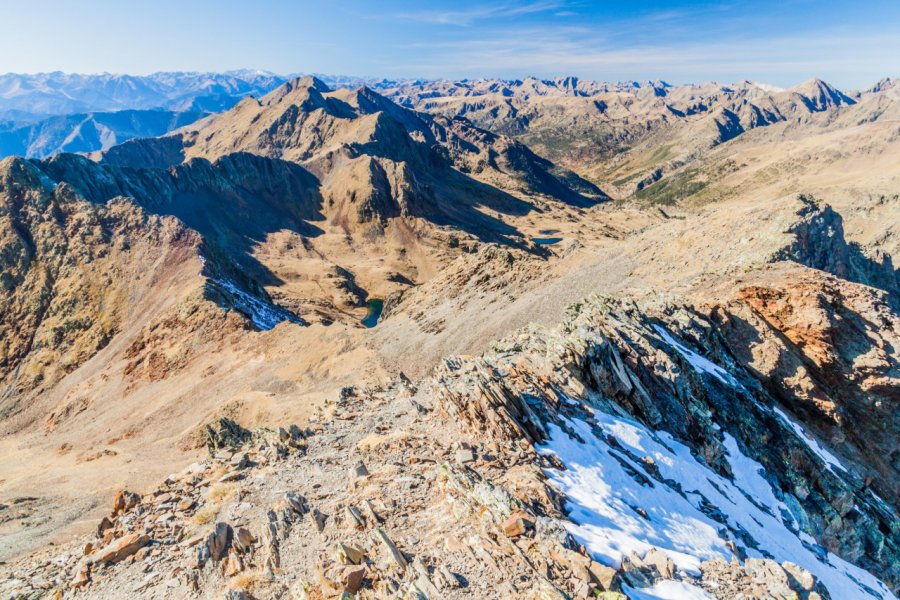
pixel 581 51
pixel 466 17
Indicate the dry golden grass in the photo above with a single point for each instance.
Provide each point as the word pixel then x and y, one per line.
pixel 374 441
pixel 246 580
pixel 222 492
pixel 205 515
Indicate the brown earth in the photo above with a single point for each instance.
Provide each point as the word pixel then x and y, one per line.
pixel 127 325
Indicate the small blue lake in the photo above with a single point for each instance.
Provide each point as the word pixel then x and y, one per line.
pixel 373 312
pixel 546 241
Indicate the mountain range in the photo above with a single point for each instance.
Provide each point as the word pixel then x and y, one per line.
pixel 444 339
pixel 47 113
pixel 66 93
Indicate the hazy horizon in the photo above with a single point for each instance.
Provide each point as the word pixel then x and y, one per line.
pixel 780 43
pixel 373 78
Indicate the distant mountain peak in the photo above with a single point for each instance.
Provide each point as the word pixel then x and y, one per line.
pixel 311 81
pixel 883 85
pixel 821 94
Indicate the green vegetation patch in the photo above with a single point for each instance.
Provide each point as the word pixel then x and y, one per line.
pixel 670 190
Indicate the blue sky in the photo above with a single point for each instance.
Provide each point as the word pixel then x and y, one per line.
pixel 784 43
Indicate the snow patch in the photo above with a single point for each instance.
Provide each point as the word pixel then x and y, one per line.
pixel 262 314
pixel 700 363
pixel 667 589
pixel 616 507
pixel 827 457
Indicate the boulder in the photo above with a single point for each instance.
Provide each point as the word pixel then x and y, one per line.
pixel 105 525
pixel 83 577
pixel 219 541
pixel 297 503
pixel 394 554
pixel 124 501
pixel 606 577
pixel 349 555
pixel 799 577
pixel 656 558
pixel 239 460
pixel 243 540
pixel 233 565
pixel 120 549
pixel 517 524
pixel 232 475
pixel 465 455
pixel 317 519
pixel 338 580
pixel 225 434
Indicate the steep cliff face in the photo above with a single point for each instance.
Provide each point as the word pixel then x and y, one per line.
pixel 234 203
pixel 145 153
pixel 827 350
pixel 673 370
pixel 69 271
pixel 84 246
pixel 363 147
pixel 243 194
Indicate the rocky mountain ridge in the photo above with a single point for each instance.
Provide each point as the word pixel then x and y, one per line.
pixel 477 455
pixel 576 122
pixel 503 380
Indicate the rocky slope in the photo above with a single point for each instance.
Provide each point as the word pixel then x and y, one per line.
pixel 686 393
pixel 70 273
pixel 82 240
pixel 606 458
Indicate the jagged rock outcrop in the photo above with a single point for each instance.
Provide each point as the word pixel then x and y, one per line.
pixel 618 359
pixel 827 350
pixel 69 272
pixel 562 463
pixel 261 194
pixel 819 242
pixel 146 153
pixel 377 160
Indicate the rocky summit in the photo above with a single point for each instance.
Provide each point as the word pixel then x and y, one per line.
pixel 533 338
